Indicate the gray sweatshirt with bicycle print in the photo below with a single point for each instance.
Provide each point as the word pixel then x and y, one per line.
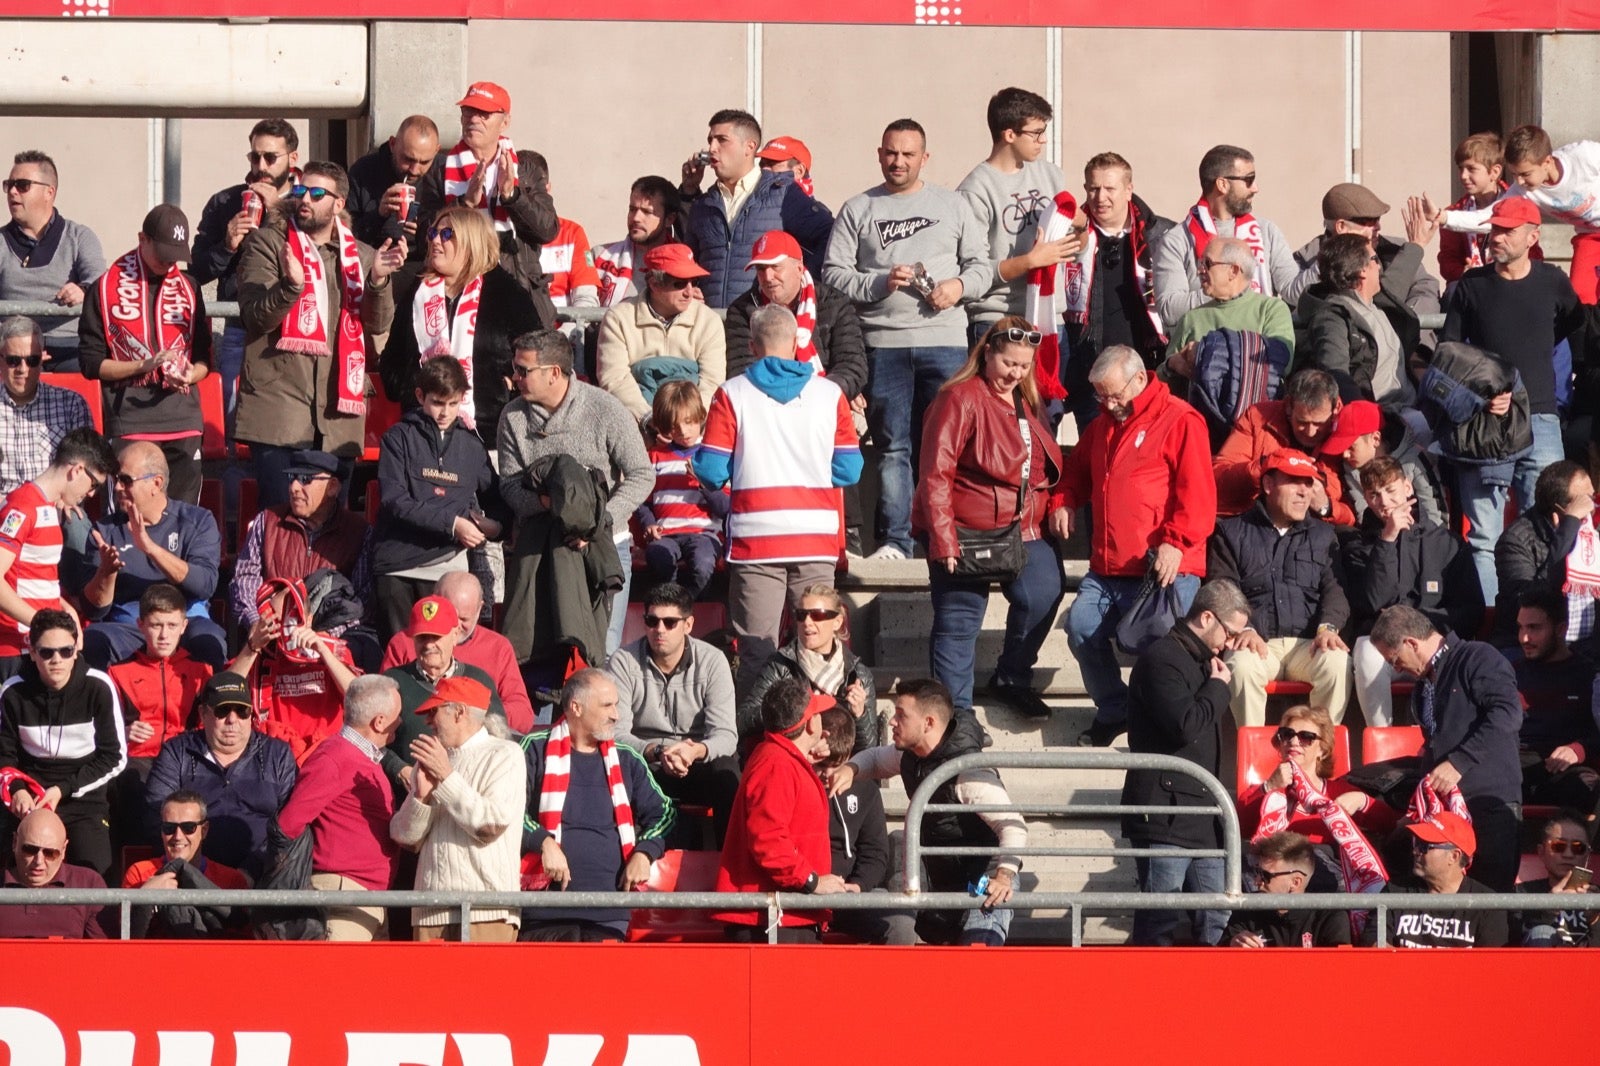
pixel 1009 207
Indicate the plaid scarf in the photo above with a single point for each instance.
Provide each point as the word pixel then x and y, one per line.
pixel 1047 299
pixel 1245 228
pixel 553 797
pixel 124 293
pixel 459 167
pixel 439 334
pixel 805 316
pixel 1080 273
pixel 305 328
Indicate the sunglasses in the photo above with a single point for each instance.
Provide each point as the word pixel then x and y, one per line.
pixel 188 828
pixel 309 479
pixel 269 158
pixel 520 371
pixel 23 185
pixel 441 233
pixel 1285 734
pixel 14 361
pixel 1248 179
pixel 656 621
pixel 816 614
pixel 221 713
pixel 66 651
pixel 1018 335
pixel 1418 844
pixel 1264 878
pixel 127 481
pixel 1561 847
pixel 50 854
pixel 678 283
pixel 312 193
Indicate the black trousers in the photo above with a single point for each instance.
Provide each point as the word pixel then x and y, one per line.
pixel 1496 825
pixel 569 931
pixel 711 783
pixel 396 596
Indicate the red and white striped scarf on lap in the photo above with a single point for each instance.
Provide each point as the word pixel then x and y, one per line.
pixel 124 293
pixel 305 328
pixel 1049 297
pixel 553 797
pixel 459 167
pixel 1245 228
pixel 440 333
pixel 805 316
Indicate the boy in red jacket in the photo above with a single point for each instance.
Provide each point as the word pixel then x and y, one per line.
pixel 778 833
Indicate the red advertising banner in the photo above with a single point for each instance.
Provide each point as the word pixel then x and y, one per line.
pixel 1153 14
pixel 258 1004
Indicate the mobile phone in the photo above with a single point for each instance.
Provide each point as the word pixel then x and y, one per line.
pixel 1579 878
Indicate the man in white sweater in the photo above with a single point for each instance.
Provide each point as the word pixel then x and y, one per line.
pixel 468 791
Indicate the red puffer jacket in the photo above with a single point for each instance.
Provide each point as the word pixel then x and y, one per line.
pixel 971 467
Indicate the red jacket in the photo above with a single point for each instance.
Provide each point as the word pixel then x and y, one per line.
pixel 778 831
pixel 1260 431
pixel 1148 482
pixel 162 692
pixel 971 467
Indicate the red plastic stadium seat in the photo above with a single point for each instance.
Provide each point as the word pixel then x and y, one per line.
pixel 678 871
pixel 89 390
pixel 1258 757
pixel 373 503
pixel 1381 743
pixel 214 435
pixel 1288 688
pixel 382 413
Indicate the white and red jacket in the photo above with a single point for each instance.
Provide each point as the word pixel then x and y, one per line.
pixel 30 529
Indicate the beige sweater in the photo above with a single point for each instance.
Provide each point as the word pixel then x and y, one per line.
pixel 468 835
pixel 631 334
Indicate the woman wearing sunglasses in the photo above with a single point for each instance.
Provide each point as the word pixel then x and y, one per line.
pixel 818 655
pixel 987 462
pixel 466 305
pixel 1565 852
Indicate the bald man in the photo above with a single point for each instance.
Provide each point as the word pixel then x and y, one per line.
pixel 477 646
pixel 377 198
pixel 150 538
pixel 38 851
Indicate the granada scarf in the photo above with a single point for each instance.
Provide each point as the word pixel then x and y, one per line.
pixel 805 315
pixel 124 293
pixel 1477 243
pixel 1425 803
pixel 439 334
pixel 553 797
pixel 1583 562
pixel 459 167
pixel 1080 274
pixel 305 329
pixel 1245 228
pixel 614 264
pixel 1047 299
pixel 294 615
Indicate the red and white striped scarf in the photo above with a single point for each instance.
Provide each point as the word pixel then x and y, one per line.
pixel 1477 243
pixel 614 264
pixel 805 316
pixel 1583 562
pixel 1080 273
pixel 1245 228
pixel 553 797
pixel 305 328
pixel 439 334
pixel 459 167
pixel 1048 299
pixel 124 293
pixel 1425 803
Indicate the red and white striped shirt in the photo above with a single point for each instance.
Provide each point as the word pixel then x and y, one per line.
pixel 676 499
pixel 31 528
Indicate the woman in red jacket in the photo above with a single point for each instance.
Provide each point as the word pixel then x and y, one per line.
pixel 981 435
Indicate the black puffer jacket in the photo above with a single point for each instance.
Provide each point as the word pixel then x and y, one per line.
pixel 1531 553
pixel 785 662
pixel 840 343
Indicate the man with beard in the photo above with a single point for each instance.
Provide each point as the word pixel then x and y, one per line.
pixel 653 207
pixel 378 182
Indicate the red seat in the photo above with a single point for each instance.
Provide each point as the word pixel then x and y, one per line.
pixel 211 500
pixel 89 390
pixel 1258 757
pixel 382 413
pixel 214 432
pixel 678 871
pixel 1381 743
pixel 1288 688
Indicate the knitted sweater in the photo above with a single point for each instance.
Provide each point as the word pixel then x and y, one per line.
pixel 67 251
pixel 467 835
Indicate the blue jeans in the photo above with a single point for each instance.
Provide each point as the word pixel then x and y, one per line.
pixel 1178 874
pixel 901 383
pixel 619 603
pixel 1485 504
pixel 1092 626
pixel 958 609
pixel 230 362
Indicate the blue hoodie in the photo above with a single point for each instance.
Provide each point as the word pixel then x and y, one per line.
pixel 782 379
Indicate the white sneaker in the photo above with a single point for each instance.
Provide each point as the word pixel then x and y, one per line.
pixel 888 551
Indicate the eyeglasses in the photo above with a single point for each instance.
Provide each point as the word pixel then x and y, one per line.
pixel 677 283
pixel 240 712
pixel 1248 179
pixel 66 651
pixel 50 854
pixel 1016 335
pixel 313 193
pixel 1262 877
pixel 816 614
pixel 14 361
pixel 661 621
pixel 1285 734
pixel 127 481
pixel 188 828
pixel 441 233
pixel 1037 135
pixel 1577 848
pixel 1212 264
pixel 1117 397
pixel 1233 634
pixel 269 158
pixel 309 479
pixel 23 185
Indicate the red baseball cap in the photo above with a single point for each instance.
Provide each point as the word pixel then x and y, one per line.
pixel 816 705
pixel 1290 461
pixel 486 96
pixel 1447 827
pixel 457 690
pixel 1356 419
pixel 676 260
pixel 781 148
pixel 433 616
pixel 1514 211
pixel 774 247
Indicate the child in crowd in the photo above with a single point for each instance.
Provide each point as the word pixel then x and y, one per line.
pixel 682 519
pixel 1480 166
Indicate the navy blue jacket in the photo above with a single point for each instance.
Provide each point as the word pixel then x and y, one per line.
pixel 240 800
pixel 186 530
pixel 775 203
pixel 1478 712
pixel 426 480
pixel 1294 582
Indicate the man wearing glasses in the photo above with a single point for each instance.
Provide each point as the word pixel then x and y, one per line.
pixel 1442 849
pixel 675 706
pixel 37 855
pixel 309 294
pixel 1283 865
pixel 33 416
pixel 184 827
pixel 46 257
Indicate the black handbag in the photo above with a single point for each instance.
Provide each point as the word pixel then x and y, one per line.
pixel 997 554
pixel 1154 612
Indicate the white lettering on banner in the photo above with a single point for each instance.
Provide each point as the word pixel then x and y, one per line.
pixel 32 1039
pixel 128 305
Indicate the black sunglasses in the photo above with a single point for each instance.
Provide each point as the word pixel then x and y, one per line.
pixel 239 712
pixel 23 185
pixel 128 481
pixel 269 158
pixel 50 854
pixel 678 283
pixel 308 479
pixel 169 828
pixel 1285 734
pixel 441 233
pixel 312 193
pixel 816 614
pixel 653 621
pixel 14 361
pixel 1017 335
pixel 66 651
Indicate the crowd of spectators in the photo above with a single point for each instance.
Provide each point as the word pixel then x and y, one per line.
pixel 1279 476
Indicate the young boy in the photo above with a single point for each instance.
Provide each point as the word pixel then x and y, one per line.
pixel 1480 166
pixel 434 486
pixel 682 519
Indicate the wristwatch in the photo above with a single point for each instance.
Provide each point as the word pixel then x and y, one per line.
pixel 811 884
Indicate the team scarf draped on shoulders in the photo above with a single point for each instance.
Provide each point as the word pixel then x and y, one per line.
pixel 124 294
pixel 1202 227
pixel 1080 273
pixel 1046 301
pixel 440 333
pixel 805 316
pixel 553 798
pixel 305 329
pixel 459 167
